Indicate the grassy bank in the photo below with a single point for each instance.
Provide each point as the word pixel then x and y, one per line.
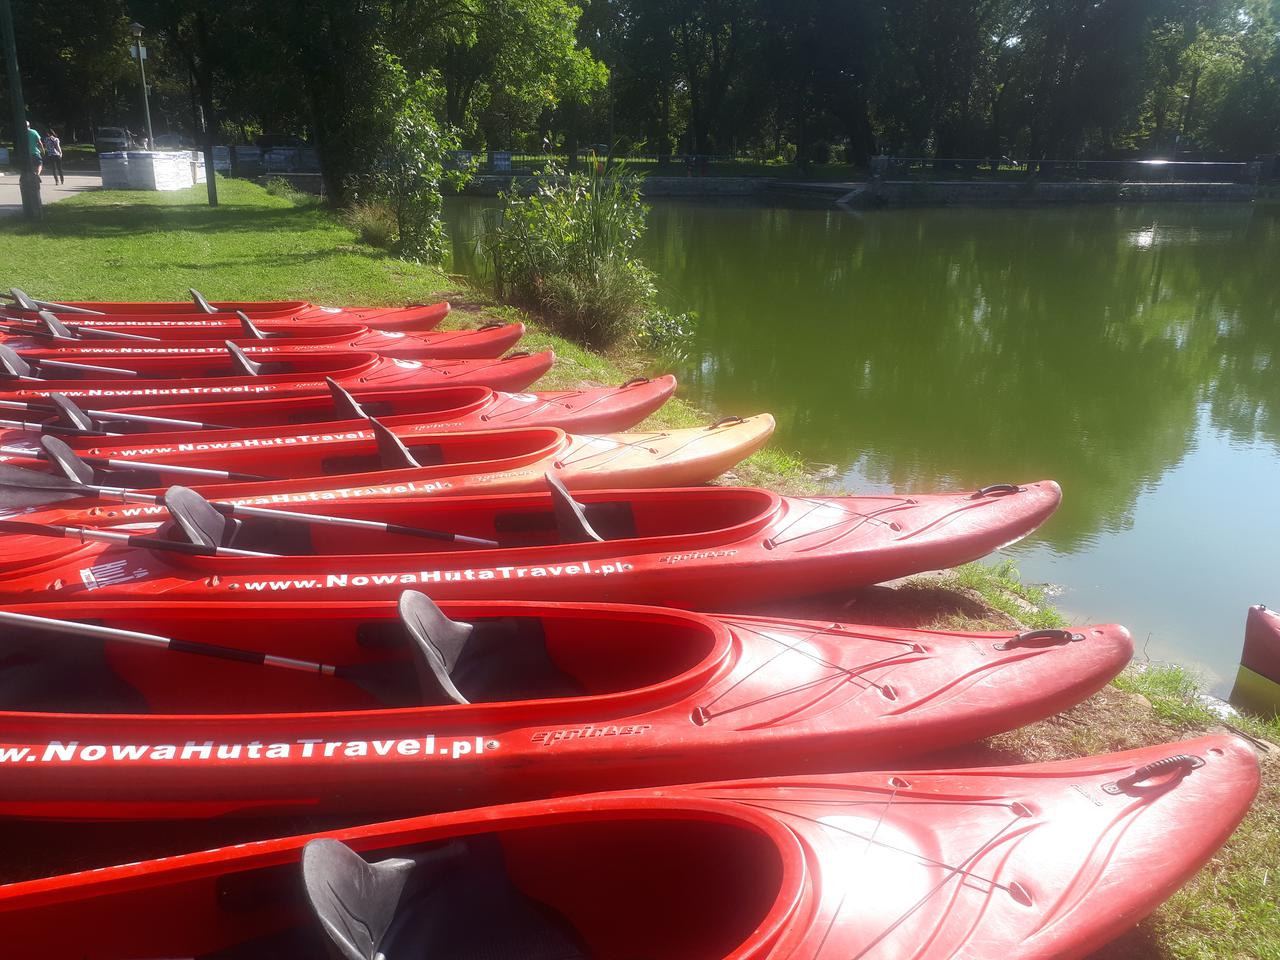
pixel 256 245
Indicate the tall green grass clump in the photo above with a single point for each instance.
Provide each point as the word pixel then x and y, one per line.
pixel 568 251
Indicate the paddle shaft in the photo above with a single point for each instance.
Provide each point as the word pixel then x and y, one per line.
pixel 168 643
pixel 58 307
pixel 56 428
pixel 107 536
pixel 239 510
pixel 148 465
pixel 91 368
pixel 113 415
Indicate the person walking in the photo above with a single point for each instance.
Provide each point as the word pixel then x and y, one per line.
pixel 36 147
pixel 53 154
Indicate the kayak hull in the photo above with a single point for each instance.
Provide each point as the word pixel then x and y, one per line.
pixel 412 317
pixel 186 379
pixel 1257 685
pixel 1054 865
pixel 210 337
pixel 667 696
pixel 337 466
pixel 425 410
pixel 702 548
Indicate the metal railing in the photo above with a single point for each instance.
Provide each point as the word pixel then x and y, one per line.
pixel 1144 171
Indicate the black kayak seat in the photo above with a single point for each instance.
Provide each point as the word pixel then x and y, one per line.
pixel 571 517
pixel 198 519
pixel 51 326
pixel 249 327
pixel 346 406
pixel 67 460
pixel 47 673
pixel 391 449
pixel 204 305
pixel 23 301
pixel 12 364
pixel 70 414
pixel 502 659
pixel 450 902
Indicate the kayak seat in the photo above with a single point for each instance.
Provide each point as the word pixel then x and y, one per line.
pixel 452 902
pixel 488 661
pixel 611 520
pixel 194 520
pixel 44 672
pixel 427 455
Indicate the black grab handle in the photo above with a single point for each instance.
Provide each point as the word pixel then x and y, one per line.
pixel 996 488
pixel 724 421
pixel 1056 637
pixel 1182 761
pixel 490 324
pixel 633 381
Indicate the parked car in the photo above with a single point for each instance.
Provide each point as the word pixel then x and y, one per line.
pixel 110 139
pixel 173 141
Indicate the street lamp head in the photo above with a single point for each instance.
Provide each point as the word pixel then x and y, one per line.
pixel 136 28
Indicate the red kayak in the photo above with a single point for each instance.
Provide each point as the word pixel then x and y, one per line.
pixel 211 336
pixel 125 381
pixel 1044 861
pixel 707 548
pixel 538 699
pixel 1257 685
pixel 412 317
pixel 170 428
pixel 373 460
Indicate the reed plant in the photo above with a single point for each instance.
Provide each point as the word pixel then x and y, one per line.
pixel 567 250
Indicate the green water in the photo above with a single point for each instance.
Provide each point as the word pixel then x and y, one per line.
pixel 1132 353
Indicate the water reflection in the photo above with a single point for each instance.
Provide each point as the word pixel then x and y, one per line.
pixel 1106 347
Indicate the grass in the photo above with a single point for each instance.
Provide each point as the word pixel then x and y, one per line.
pixel 153 246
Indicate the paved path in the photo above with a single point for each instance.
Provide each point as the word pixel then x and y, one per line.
pixel 11 199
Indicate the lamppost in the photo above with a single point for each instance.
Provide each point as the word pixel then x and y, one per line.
pixel 28 182
pixel 142 69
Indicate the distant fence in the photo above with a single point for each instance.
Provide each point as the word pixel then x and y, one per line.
pixel 1141 171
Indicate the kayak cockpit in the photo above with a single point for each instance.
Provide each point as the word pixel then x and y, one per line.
pixel 613 881
pixel 153 661
pixel 676 519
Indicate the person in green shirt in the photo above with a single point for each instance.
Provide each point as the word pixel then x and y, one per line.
pixel 37 149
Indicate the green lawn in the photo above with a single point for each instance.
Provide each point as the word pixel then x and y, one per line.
pixel 125 245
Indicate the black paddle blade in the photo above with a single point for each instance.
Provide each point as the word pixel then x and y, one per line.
pixel 243 365
pixel 204 305
pixel 354 900
pixel 393 453
pixel 23 301
pixel 248 326
pixel 440 641
pixel 70 414
pixel 21 488
pixel 347 406
pixel 55 327
pixel 196 516
pixel 571 519
pixel 67 460
pixel 12 364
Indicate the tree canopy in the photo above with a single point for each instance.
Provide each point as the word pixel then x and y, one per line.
pixel 813 79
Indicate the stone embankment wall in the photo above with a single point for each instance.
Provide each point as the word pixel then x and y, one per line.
pixel 903 193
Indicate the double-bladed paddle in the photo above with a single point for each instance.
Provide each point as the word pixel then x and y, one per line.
pixel 81 468
pixel 16 368
pixel 125 539
pixel 32 305
pixel 75 415
pixel 22 488
pixel 388 681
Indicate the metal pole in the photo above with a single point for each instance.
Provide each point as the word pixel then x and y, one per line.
pixel 142 69
pixel 28 182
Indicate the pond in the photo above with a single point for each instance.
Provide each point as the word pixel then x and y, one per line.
pixel 1132 353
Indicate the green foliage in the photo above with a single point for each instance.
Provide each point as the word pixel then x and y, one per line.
pixel 406 175
pixel 567 250
pixel 282 188
pixel 374 221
